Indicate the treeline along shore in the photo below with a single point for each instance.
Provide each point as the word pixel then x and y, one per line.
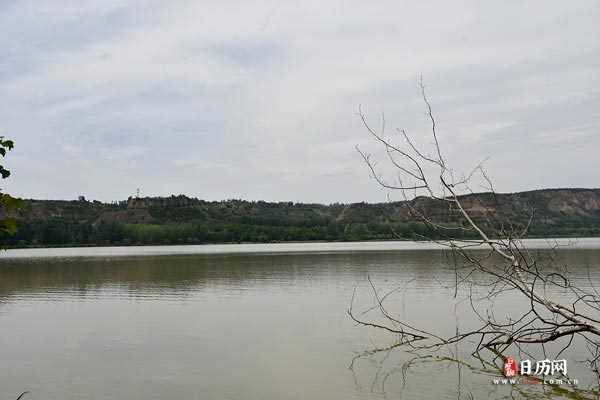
pixel 185 220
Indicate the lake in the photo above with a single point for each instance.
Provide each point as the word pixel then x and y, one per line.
pixel 239 322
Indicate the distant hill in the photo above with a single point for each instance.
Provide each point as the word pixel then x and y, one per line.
pixel 180 219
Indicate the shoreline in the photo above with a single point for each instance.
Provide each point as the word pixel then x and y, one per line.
pixel 582 243
pixel 101 245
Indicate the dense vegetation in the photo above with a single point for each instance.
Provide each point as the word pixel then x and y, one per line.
pixel 182 220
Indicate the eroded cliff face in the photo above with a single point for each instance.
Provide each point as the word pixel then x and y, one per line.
pixel 582 203
pixel 548 207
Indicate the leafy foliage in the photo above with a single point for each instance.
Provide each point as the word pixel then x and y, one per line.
pixel 8 225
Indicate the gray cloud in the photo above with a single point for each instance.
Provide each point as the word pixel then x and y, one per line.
pixel 257 100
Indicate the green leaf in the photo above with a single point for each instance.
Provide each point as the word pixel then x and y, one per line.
pixel 10 203
pixel 8 225
pixel 4 172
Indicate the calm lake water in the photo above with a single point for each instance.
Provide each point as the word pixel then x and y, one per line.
pixel 238 322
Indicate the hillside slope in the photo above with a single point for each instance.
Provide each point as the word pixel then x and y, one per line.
pixel 180 219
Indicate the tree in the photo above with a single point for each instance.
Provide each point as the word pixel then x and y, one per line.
pixel 494 262
pixel 7 202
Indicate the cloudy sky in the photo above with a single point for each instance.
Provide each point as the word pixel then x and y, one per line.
pixel 258 99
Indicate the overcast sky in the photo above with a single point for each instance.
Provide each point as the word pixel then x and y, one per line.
pixel 258 99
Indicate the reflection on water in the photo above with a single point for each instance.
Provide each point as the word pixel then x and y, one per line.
pixel 230 326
